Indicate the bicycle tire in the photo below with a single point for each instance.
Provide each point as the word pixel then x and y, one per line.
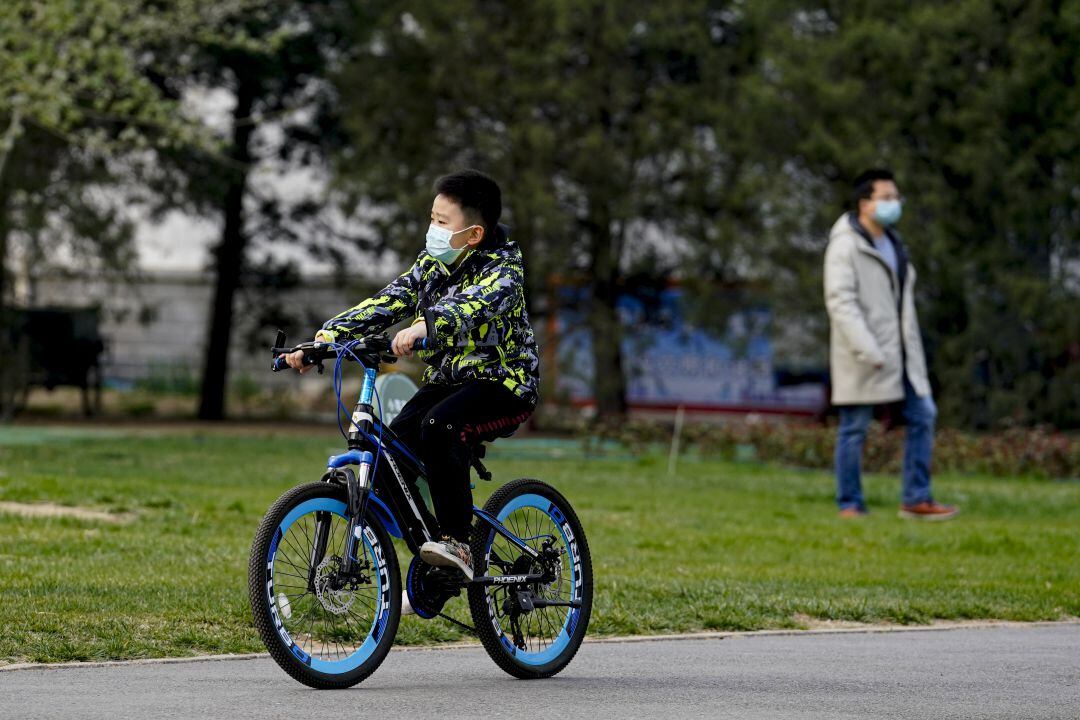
pixel 306 665
pixel 567 627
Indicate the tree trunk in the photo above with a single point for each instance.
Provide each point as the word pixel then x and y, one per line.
pixel 228 262
pixel 7 147
pixel 609 385
pixel 3 258
pixel 12 369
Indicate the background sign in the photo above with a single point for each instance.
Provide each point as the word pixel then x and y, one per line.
pixel 670 362
pixel 394 389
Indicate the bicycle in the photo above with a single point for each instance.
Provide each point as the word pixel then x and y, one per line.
pixel 323 574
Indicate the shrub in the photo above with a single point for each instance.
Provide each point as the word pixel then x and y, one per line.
pixel 1039 451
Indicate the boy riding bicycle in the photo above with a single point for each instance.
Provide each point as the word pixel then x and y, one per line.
pixel 465 295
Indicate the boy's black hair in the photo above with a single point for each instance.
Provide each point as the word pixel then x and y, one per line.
pixel 478 195
pixel 864 184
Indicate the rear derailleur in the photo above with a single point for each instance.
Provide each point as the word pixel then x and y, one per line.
pixel 521 600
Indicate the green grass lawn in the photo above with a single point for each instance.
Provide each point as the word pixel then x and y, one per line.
pixel 722 546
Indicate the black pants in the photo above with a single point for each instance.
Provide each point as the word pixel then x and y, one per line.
pixel 441 423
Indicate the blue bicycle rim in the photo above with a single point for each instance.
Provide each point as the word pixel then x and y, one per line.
pixel 562 640
pixel 379 622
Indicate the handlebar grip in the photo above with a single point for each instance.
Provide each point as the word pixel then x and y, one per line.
pixel 420 344
pixel 280 364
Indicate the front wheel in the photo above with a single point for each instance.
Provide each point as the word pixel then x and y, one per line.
pixel 324 628
pixel 540 642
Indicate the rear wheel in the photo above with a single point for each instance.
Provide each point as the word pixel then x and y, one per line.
pixel 323 628
pixel 540 642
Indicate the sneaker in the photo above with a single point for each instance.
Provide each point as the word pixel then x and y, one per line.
pixel 448 552
pixel 853 512
pixel 406 606
pixel 928 510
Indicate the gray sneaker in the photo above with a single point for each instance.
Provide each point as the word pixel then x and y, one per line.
pixel 448 552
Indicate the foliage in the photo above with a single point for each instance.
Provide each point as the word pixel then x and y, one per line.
pixel 975 106
pixel 83 111
pixel 710 139
pixel 1015 452
pixel 89 72
pixel 718 140
pixel 613 129
pixel 280 122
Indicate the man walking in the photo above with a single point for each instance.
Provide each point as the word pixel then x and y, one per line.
pixel 875 349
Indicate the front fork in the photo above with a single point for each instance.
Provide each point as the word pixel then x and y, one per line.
pixel 358 486
pixel 318 548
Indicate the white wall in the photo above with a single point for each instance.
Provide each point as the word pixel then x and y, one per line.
pixel 161 322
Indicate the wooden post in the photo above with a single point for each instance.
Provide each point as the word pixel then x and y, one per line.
pixel 673 456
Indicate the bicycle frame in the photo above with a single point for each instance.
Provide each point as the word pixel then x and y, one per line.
pixel 394 501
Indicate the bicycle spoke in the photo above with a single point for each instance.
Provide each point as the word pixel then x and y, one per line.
pixel 328 635
pixel 541 627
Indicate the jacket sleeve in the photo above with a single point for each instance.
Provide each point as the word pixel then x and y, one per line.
pixel 495 293
pixel 389 306
pixel 842 303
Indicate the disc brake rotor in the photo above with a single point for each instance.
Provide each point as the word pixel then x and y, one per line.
pixel 551 590
pixel 333 601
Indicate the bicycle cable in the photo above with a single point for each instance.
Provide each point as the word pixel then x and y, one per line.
pixel 339 375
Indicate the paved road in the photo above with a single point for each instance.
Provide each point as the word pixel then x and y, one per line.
pixel 1013 672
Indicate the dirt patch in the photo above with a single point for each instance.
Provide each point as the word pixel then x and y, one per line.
pixel 806 622
pixel 51 510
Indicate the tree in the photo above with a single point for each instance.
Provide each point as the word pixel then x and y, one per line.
pixel 975 106
pixel 73 82
pixel 277 87
pixel 79 116
pixel 604 121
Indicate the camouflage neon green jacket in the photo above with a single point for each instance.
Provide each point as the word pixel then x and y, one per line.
pixel 478 327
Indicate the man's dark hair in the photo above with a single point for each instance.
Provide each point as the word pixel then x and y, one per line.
pixel 478 195
pixel 864 184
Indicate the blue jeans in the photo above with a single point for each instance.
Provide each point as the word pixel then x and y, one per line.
pixel 920 413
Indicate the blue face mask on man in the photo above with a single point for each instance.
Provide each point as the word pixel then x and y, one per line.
pixel 438 244
pixel 887 212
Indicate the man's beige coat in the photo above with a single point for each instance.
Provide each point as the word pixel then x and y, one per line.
pixel 868 324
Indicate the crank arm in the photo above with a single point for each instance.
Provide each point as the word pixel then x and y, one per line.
pixel 541 603
pixel 507 579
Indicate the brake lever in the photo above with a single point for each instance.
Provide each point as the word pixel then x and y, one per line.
pixel 379 343
pixel 309 360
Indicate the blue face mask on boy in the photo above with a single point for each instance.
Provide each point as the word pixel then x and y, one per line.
pixel 887 212
pixel 438 244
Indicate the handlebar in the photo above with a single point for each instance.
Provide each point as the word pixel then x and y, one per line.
pixel 374 348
